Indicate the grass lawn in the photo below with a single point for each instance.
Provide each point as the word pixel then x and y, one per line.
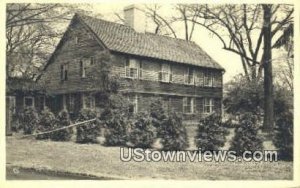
pixel 98 160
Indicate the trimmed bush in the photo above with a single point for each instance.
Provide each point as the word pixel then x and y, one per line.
pixel 246 137
pixel 47 123
pixel 30 120
pixel 283 138
pixel 174 134
pixel 142 133
pixel 117 129
pixel 88 132
pixel 63 120
pixel 158 115
pixel 210 133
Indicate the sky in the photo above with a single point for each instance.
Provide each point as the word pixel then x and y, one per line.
pixel 210 44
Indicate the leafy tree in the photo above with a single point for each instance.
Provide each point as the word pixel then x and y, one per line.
pixel 242 96
pixel 237 28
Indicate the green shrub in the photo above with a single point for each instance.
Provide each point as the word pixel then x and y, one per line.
pixel 173 133
pixel 117 129
pixel 246 137
pixel 283 138
pixel 210 133
pixel 63 120
pixel 47 123
pixel 30 120
pixel 158 115
pixel 142 132
pixel 88 132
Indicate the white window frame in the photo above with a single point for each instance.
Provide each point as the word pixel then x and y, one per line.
pixel 187 79
pixel 28 97
pixel 208 76
pixel 208 102
pixel 132 64
pixel 191 105
pixel 165 73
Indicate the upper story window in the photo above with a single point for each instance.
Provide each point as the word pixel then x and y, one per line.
pixel 165 73
pixel 189 77
pixel 208 78
pixel 83 65
pixel 64 72
pixel 188 105
pixel 28 102
pixel 92 60
pixel 208 105
pixel 132 68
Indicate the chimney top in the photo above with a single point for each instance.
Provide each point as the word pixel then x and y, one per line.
pixel 135 18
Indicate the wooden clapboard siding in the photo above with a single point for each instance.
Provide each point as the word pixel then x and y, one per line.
pixel 150 70
pixel 147 86
pixel 70 54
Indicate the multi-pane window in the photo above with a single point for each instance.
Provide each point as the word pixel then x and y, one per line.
pixel 64 72
pixel 208 105
pixel 76 40
pixel 165 73
pixel 92 60
pixel 83 67
pixel 166 103
pixel 11 101
pixel 28 102
pixel 189 76
pixel 208 78
pixel 132 68
pixel 133 99
pixel 71 102
pixel 88 101
pixel 188 105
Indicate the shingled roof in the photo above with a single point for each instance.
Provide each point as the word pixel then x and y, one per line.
pixel 120 38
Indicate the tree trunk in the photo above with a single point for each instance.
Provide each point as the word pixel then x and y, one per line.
pixel 268 77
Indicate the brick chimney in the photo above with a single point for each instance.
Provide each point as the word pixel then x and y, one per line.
pixel 135 18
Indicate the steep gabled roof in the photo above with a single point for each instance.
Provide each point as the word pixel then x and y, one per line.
pixel 120 38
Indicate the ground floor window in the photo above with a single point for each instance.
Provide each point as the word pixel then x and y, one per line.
pixel 70 102
pixel 188 105
pixel 11 102
pixel 28 102
pixel 133 99
pixel 208 105
pixel 88 101
pixel 166 103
